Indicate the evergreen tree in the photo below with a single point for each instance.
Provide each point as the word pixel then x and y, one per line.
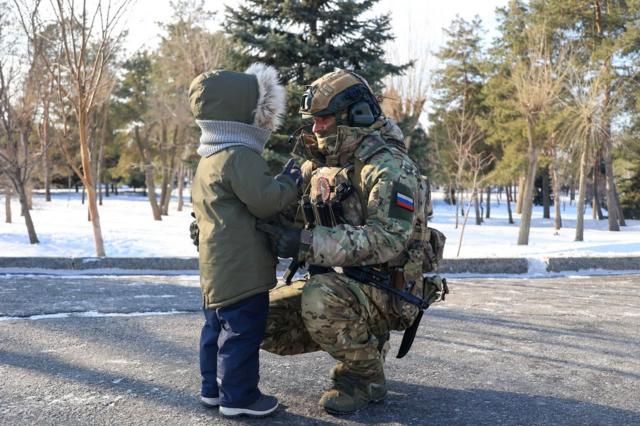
pixel 503 125
pixel 458 103
pixel 600 32
pixel 303 41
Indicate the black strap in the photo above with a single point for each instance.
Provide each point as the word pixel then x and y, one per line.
pixel 366 275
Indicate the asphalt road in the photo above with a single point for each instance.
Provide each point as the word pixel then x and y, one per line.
pixel 100 350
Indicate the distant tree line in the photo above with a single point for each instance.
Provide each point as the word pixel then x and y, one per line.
pixel 554 99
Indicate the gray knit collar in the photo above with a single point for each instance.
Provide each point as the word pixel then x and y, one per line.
pixel 219 135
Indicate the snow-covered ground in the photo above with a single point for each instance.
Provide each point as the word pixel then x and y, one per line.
pixel 130 231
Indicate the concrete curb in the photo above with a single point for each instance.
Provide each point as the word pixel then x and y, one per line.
pixel 559 264
pixel 147 265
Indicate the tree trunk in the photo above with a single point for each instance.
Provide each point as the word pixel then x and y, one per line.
pixel 167 199
pixel 46 166
pixel 555 182
pixel 458 208
pixel 163 162
pixel 612 207
pixel 151 192
pixel 546 199
pixel 508 188
pixel 476 206
pixel 180 186
pixel 148 177
pixel 88 183
pixel 28 187
pixel 527 196
pixel 170 173
pixel 619 208
pixel 572 192
pixel 582 192
pixel 488 213
pixel 99 170
pixel 595 201
pixel 46 162
pixel 24 205
pixel 520 194
pixel 7 204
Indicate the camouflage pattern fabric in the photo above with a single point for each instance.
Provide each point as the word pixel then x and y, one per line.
pixel 382 235
pixel 348 319
pixel 286 333
pixel 333 313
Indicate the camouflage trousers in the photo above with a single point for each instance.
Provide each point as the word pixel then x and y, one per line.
pixel 331 312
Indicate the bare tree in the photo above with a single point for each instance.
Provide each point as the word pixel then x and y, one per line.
pixel 88 39
pixel 406 94
pixel 586 128
pixel 463 135
pixel 538 81
pixel 18 96
pixel 144 148
pixel 187 49
pixel 478 163
pixel 554 172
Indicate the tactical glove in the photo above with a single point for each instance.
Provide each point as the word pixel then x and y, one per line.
pixel 194 232
pixel 287 240
pixel 288 244
pixel 292 171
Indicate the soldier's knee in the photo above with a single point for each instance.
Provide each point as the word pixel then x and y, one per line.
pixel 313 301
pixel 325 300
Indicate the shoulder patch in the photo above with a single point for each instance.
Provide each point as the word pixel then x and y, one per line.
pixel 402 202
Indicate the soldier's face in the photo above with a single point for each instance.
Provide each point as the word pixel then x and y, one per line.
pixel 325 125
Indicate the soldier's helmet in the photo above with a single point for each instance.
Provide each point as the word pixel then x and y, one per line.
pixel 343 93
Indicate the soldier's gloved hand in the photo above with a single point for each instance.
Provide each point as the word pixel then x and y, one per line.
pixel 194 232
pixel 288 244
pixel 292 171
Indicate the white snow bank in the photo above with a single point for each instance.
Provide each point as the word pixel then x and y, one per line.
pixel 130 231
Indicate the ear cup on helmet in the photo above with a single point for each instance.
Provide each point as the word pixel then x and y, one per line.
pixel 360 115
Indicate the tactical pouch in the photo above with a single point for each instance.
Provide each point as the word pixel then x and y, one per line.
pixel 433 250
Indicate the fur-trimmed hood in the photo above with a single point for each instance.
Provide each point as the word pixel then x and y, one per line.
pixel 254 97
pixel 271 103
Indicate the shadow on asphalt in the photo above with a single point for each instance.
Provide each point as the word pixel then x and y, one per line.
pixel 155 393
pixel 406 403
pixel 419 405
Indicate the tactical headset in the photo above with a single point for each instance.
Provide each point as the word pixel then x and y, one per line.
pixel 362 107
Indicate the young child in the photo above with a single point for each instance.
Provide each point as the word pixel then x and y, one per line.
pixel 233 187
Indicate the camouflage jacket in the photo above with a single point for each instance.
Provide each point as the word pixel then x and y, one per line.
pixel 379 217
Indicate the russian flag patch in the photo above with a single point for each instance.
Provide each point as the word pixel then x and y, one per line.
pixel 404 201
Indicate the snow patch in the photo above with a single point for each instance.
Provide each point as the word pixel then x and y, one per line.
pixel 130 231
pixel 537 265
pixel 94 314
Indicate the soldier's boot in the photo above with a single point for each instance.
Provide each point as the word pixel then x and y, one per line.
pixel 383 347
pixel 351 393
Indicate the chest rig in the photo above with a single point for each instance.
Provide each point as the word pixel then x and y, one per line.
pixel 333 198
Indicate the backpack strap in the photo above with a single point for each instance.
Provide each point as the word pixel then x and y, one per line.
pixel 360 157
